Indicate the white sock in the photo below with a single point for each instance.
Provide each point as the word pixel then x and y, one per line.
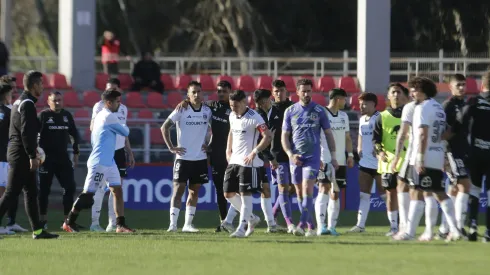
pixel 364 204
pixel 383 197
pixel 460 208
pixel 333 213
pixel 444 227
pixel 97 206
pixel 190 212
pixel 174 216
pixel 266 205
pixel 403 205
pixel 236 205
pixel 245 212
pixel 110 210
pixel 448 209
pixel 321 203
pixel 393 218
pixel 431 212
pixel 415 212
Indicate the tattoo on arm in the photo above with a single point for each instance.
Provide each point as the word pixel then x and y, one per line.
pixel 400 140
pixel 166 132
pixel 330 140
pixel 265 141
pixel 348 142
pixel 423 132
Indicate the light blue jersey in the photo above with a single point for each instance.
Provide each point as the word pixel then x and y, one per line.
pixel 106 127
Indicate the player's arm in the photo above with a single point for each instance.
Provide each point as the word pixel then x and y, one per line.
pixel 73 132
pixel 264 142
pixel 325 124
pixel 95 110
pixel 465 117
pixel 331 143
pixel 423 133
pixel 359 143
pixel 28 128
pixel 229 145
pixel 378 138
pixel 165 129
pixel 286 134
pixel 450 119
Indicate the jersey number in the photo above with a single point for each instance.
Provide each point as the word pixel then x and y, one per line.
pixel 439 127
pixel 98 177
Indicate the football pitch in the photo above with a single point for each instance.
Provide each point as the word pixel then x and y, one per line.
pixel 154 251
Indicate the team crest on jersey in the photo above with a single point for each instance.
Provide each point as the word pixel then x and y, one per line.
pixel 50 120
pixel 65 119
pixel 2 115
pixel 205 116
pixel 228 112
pixel 314 116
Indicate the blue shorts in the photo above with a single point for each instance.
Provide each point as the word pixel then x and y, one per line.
pixel 308 171
pixel 281 174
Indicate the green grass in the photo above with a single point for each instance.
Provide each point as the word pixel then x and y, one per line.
pixel 153 251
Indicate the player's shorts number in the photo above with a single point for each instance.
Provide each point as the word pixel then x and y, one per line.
pixel 98 177
pixel 280 170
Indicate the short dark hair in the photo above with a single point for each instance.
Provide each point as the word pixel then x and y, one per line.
pixel 403 88
pixel 114 81
pixel 32 77
pixel 457 77
pixel 335 92
pixel 110 95
pixel 369 97
pixel 224 84
pixel 485 81
pixel 5 88
pixel 55 93
pixel 278 84
pixel 424 85
pixel 261 93
pixel 193 83
pixel 237 95
pixel 7 79
pixel 304 81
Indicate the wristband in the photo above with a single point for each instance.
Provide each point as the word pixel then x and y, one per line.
pixel 350 155
pixel 255 151
pixel 420 157
pixel 333 155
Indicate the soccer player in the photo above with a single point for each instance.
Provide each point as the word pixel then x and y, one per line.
pixel 191 160
pixel 22 154
pixel 245 173
pixel 339 123
pixel 123 147
pixel 302 125
pixel 385 132
pixel 457 157
pixel 368 164
pixel 101 166
pixel 427 159
pixel 473 121
pixel 57 126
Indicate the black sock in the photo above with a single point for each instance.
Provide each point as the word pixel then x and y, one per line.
pixel 72 218
pixel 10 221
pixel 474 206
pixel 121 221
pixel 488 218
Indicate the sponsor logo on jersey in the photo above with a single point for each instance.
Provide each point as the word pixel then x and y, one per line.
pixel 65 119
pixel 205 116
pixel 194 123
pixel 58 127
pixel 50 120
pixel 220 119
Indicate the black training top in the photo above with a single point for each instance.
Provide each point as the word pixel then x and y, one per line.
pixel 24 127
pixel 220 127
pixel 4 131
pixel 458 144
pixel 378 126
pixel 473 121
pixel 56 129
pixel 273 122
pixel 276 146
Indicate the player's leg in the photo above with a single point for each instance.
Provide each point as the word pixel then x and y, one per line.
pixel 265 201
pixel 297 181
pixel 247 183
pixel 281 177
pixel 12 226
pixel 333 209
pixel 476 175
pixel 230 191
pixel 486 237
pixel 120 160
pixel 257 177
pixel 462 190
pixel 66 177
pixel 366 177
pixel 46 173
pixel 321 203
pixel 218 172
pixel 6 199
pixel 97 207
pixel 309 178
pixel 198 177
pixel 403 195
pixel 181 176
pixel 389 184
pixel 431 211
pixel 113 180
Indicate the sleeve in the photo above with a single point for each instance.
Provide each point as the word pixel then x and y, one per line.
pixel 464 118
pixel 260 123
pixel 360 128
pixel 324 122
pixel 29 127
pixel 175 116
pixel 286 123
pixel 450 113
pixel 97 108
pixel 72 130
pixel 424 114
pixel 113 124
pixel 347 123
pixel 407 114
pixel 2 117
pixel 378 130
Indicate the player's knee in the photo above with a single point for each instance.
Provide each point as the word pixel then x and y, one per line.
pixel 84 201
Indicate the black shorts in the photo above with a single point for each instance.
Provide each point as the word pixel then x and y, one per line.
pixel 457 163
pixel 244 179
pixel 120 159
pixel 340 176
pixel 389 181
pixel 403 173
pixel 194 171
pixel 431 180
pixel 372 172
pixel 479 167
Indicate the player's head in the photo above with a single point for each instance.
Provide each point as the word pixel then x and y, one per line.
pixel 7 79
pixel 337 98
pixel 304 87
pixel 238 101
pixel 113 83
pixel 112 99
pixel 262 98
pixel 5 93
pixel 485 82
pixel 422 88
pixel 194 92
pixel 367 103
pixel 457 84
pixel 224 89
pixel 55 101
pixel 397 95
pixel 33 82
pixel 279 90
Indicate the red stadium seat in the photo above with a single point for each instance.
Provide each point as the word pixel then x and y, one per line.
pixel 472 86
pixel 42 101
pixel 47 82
pixel 213 96
pixel 207 83
pixel 155 101
pixel 289 81
pixel 87 135
pixel 81 113
pixel 227 78
pixel 71 100
pixel 183 81
pixel 381 106
pixel 325 83
pixel 264 82
pixel 168 82
pixel 294 97
pixel 247 84
pixel 101 81
pixel 145 114
pixel 319 99
pixel 354 102
pixel 348 84
pixel 90 98
pixel 126 81
pixel 19 80
pixel 134 100
pixel 251 102
pixel 173 99
pixel 156 136
pixel 443 88
pixel 58 81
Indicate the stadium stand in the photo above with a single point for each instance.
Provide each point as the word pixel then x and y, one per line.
pixel 155 101
pixel 247 84
pixel 101 80
pixel 207 83
pixel 325 84
pixel 168 82
pixel 182 81
pixel 227 78
pixel 349 84
pixel 90 98
pixel 71 100
pixel 173 99
pixel 134 100
pixel 58 81
pixel 264 82
pixel 289 81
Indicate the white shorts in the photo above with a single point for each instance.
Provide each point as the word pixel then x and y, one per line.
pixel 4 171
pixel 107 175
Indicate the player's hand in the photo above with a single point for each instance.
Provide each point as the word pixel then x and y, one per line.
pixel 34 164
pixel 204 148
pixel 335 164
pixel 322 165
pixel 132 162
pixel 75 160
pixel 248 159
pixel 350 162
pixel 296 160
pixel 182 105
pixel 274 164
pixel 394 165
pixel 228 156
pixel 420 167
pixel 178 150
pixel 382 156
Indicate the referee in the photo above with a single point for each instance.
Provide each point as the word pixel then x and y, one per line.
pixel 57 130
pixel 22 154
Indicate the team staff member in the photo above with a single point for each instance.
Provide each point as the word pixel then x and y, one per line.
pixel 57 126
pixel 22 154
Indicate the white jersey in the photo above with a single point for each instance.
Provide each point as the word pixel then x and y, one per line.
pixel 407 117
pixel 192 128
pixel 245 131
pixel 122 115
pixel 429 114
pixel 339 124
pixel 366 129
